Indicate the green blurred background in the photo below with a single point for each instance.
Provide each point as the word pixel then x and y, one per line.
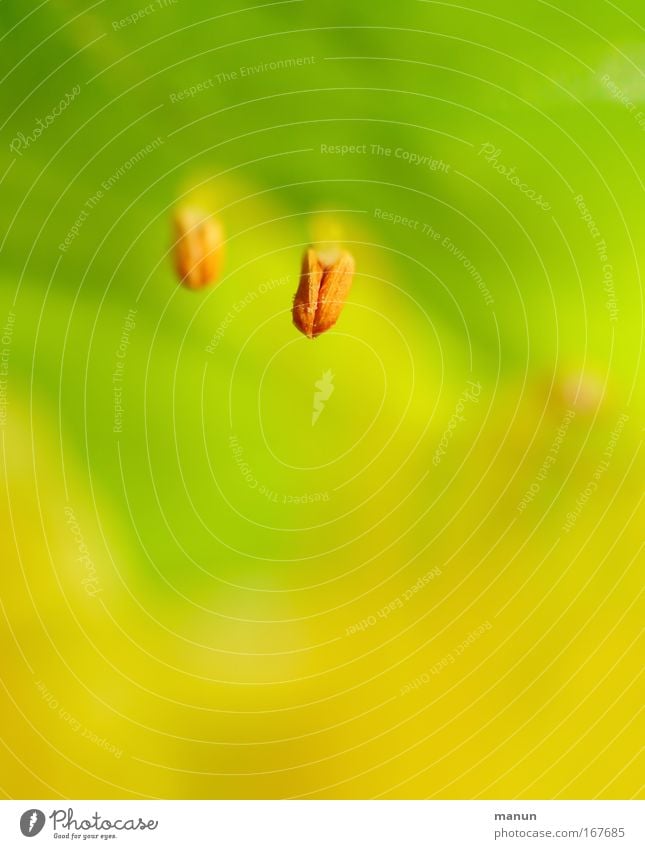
pixel 431 591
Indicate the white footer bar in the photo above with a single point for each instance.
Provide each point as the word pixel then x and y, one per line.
pixel 324 824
